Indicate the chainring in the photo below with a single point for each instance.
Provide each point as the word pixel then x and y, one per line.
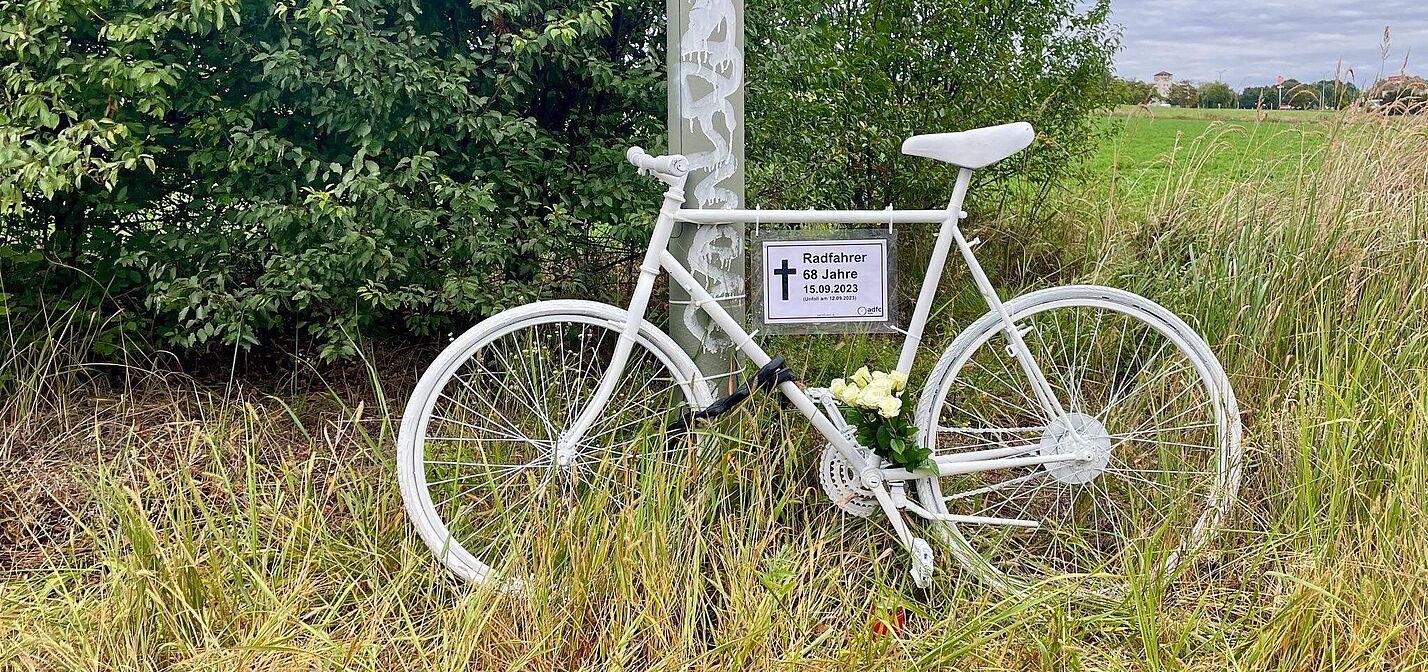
pixel 843 485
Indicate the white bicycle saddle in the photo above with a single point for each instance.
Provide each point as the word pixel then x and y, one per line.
pixel 972 149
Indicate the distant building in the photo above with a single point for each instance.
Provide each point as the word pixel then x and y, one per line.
pixel 1402 92
pixel 1163 82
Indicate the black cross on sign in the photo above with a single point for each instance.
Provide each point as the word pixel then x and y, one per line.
pixel 783 272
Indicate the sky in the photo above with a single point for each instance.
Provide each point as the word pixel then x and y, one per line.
pixel 1249 42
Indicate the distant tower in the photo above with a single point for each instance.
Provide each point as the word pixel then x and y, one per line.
pixel 1163 83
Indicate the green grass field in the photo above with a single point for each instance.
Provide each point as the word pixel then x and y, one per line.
pixel 1223 146
pixel 1226 114
pixel 166 524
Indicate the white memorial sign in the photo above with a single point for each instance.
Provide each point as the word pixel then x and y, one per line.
pixel 830 281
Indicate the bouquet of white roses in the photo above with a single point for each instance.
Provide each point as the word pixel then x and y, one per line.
pixel 875 405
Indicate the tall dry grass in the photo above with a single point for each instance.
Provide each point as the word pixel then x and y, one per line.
pixel 167 524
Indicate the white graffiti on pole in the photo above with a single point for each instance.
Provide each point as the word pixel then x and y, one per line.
pixel 710 59
pixel 825 281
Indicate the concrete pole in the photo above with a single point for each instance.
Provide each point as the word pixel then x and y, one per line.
pixel 706 125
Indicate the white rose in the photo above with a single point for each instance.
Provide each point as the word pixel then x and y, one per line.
pixel 872 395
pixel 849 395
pixel 899 380
pixel 862 377
pixel 837 386
pixel 890 407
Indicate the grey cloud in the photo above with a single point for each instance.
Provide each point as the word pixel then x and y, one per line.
pixel 1251 42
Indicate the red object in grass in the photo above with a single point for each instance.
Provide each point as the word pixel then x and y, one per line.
pixel 891 624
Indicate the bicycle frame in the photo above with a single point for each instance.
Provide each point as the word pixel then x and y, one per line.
pixel 657 258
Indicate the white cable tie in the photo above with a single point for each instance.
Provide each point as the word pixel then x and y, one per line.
pixel 716 376
pixel 749 339
pixel 715 299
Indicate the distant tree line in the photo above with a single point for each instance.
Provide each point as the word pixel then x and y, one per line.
pixel 1323 94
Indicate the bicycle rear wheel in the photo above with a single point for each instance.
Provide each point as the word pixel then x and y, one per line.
pixel 480 475
pixel 1146 402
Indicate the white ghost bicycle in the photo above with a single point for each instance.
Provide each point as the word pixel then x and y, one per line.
pixel 1079 431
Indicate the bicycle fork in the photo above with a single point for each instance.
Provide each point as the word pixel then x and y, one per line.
pixel 674 173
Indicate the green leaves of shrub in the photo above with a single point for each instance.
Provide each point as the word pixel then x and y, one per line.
pixel 297 174
pixel 868 75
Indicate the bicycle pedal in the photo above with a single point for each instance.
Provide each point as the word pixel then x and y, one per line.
pixel 922 566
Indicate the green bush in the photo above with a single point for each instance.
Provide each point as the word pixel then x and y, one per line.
pixel 835 86
pixel 246 170
pixel 292 173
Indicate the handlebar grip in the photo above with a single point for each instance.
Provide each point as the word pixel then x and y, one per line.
pixel 674 164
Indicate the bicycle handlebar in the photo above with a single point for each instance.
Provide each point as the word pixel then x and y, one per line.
pixel 675 165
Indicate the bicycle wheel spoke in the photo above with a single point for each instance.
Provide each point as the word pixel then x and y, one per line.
pixel 511 431
pixel 1085 366
pixel 527 395
pixel 1177 444
pixel 505 437
pixel 1151 419
pixel 466 385
pixel 501 471
pixel 1032 404
pixel 1141 416
pixel 1163 430
pixel 1010 482
pixel 1129 394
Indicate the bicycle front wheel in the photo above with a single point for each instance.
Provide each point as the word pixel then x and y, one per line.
pixel 487 475
pixel 1149 414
